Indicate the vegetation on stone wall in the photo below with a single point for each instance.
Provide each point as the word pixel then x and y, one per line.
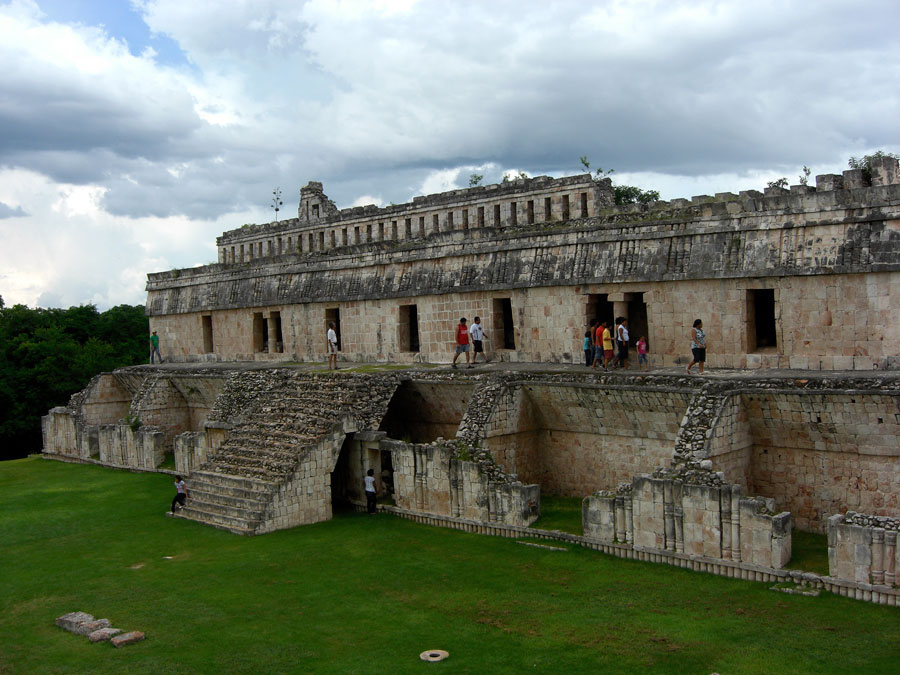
pixel 46 355
pixel 624 194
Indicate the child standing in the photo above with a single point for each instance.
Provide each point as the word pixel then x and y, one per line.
pixel 642 353
pixel 588 349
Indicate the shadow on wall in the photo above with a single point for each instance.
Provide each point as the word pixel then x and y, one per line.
pixel 421 412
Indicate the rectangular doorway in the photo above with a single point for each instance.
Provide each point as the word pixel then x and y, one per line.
pixel 408 328
pixel 637 320
pixel 275 319
pixel 260 333
pixel 761 333
pixel 503 323
pixel 207 334
pixel 333 314
pixel 598 307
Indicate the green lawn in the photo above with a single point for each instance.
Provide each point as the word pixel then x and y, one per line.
pixel 367 594
pixel 560 513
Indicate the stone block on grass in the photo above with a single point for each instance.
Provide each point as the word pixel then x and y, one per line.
pixel 127 638
pixel 103 634
pixel 73 620
pixel 89 627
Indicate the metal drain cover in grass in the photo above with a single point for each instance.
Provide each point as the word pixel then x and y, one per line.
pixel 434 655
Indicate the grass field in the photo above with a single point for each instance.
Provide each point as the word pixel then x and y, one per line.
pixel 367 594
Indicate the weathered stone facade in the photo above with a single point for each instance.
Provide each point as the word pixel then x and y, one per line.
pixel 806 278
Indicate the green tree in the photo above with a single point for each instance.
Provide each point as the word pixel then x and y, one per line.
pixel 475 179
pixel 46 355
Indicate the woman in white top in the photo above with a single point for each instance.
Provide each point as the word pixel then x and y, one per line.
pixel 698 346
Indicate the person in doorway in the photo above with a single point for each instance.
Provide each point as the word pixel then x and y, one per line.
pixel 331 336
pixel 698 346
pixel 597 337
pixel 642 354
pixel 477 333
pixel 370 491
pixel 616 361
pixel 181 494
pixel 608 354
pixel 623 342
pixel 462 342
pixel 588 349
pixel 154 347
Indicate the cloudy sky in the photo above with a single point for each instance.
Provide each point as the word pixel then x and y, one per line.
pixel 134 132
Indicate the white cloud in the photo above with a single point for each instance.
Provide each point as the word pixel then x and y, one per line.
pixel 113 164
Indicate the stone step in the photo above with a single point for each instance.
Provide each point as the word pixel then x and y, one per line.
pixel 234 510
pixel 248 502
pixel 233 529
pixel 230 480
pixel 205 515
pixel 250 471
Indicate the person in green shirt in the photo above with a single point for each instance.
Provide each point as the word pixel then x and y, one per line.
pixel 154 347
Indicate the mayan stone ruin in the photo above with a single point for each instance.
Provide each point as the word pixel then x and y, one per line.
pixel 797 426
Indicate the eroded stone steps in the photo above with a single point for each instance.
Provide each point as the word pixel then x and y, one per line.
pixel 223 522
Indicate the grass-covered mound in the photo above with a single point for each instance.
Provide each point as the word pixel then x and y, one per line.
pixel 367 594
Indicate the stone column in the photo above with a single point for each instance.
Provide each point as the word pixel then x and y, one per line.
pixel 669 516
pixel 736 523
pixel 878 556
pixel 890 552
pixel 678 515
pixel 620 519
pixel 725 509
pixel 273 335
pixel 629 520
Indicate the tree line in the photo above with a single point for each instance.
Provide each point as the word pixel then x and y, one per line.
pixel 46 355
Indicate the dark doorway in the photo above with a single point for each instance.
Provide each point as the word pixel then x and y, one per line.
pixel 207 335
pixel 260 333
pixel 333 314
pixel 599 308
pixel 637 319
pixel 408 328
pixel 387 478
pixel 342 480
pixel 503 322
pixel 761 319
pixel 275 317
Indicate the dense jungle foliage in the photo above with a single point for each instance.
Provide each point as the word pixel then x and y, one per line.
pixel 46 355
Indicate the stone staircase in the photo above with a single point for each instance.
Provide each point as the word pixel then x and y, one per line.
pixel 294 412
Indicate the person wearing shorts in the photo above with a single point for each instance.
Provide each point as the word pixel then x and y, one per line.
pixel 462 343
pixel 698 346
pixel 181 493
pixel 477 334
pixel 608 353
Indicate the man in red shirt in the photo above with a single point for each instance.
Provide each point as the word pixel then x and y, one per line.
pixel 462 342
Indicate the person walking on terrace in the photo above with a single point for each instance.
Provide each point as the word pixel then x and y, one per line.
pixel 622 341
pixel 698 346
pixel 331 337
pixel 154 347
pixel 181 494
pixel 477 333
pixel 462 343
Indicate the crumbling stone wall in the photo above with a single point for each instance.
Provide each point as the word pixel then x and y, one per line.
pixel 434 479
pixel 694 512
pixel 863 549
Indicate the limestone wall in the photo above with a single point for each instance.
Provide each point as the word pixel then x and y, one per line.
pixel 822 453
pixel 575 439
pixel 863 549
pixel 428 479
pixel 122 446
pixel 704 519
